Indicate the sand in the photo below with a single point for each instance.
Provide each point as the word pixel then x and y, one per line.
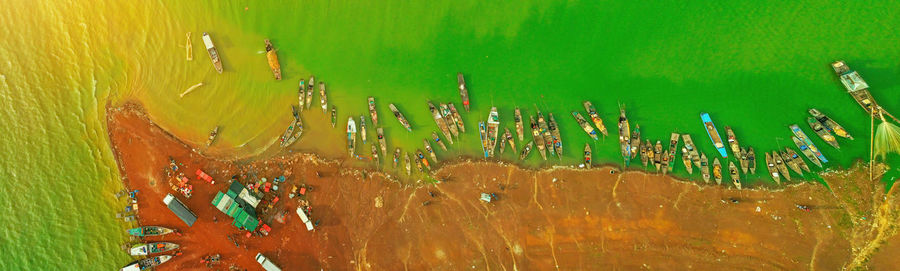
pixel 561 218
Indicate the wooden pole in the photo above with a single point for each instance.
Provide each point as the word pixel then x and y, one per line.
pixel 872 147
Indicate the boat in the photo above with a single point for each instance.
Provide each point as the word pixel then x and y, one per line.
pixel 804 149
pixel 422 158
pixel 298 128
pixel 773 171
pixel 375 155
pixel 493 130
pixel 309 90
pixel 673 149
pixel 396 157
pixel 780 165
pixel 213 53
pixel 526 150
pixel 689 145
pixel 430 150
pixel 520 126
pixel 646 153
pixel 686 160
pixel 289 131
pixel 333 116
pixel 791 163
pixel 323 98
pixel 713 134
pixel 372 111
pixel 457 118
pixel 419 162
pixel 735 175
pixel 510 140
pixel 272 57
pixel 400 117
pixel 823 133
pixel 189 47
pixel 482 132
pixel 797 159
pixel 805 139
pixel 408 165
pixel 362 128
pixel 538 139
pixel 463 91
pixel 751 157
pixel 448 118
pixel 212 136
pixel 437 140
pixel 717 171
pixel 745 161
pixel 381 141
pixel 830 124
pixel 149 231
pixel 146 264
pixel 704 167
pixel 732 142
pixel 624 135
pixel 301 91
pixel 351 136
pixel 503 141
pixel 665 162
pixel 554 134
pixel 441 124
pixel 545 132
pixel 658 155
pixel 595 117
pixel 152 248
pixel 856 86
pixel 587 155
pixel 635 141
pixel 584 125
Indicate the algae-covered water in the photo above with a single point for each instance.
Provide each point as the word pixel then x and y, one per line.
pixel 756 67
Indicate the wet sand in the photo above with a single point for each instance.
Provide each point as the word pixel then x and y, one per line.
pixel 562 218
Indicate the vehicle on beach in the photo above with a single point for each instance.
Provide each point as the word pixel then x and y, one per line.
pixel 272 58
pixel 735 175
pixel 372 111
pixel 538 139
pixel 830 124
pixel 587 155
pixel 351 136
pixel 717 171
pixel 213 53
pixel 773 171
pixel 713 134
pixel 526 150
pixel 400 117
pixel 439 120
pixel 520 126
pixel 584 125
pixel 144 249
pixel 492 130
pixel 212 136
pixel 463 91
pixel 823 133
pixel 437 140
pixel 457 118
pixel 149 231
pixel 805 139
pixel 146 264
pixel 592 112
pixel 704 167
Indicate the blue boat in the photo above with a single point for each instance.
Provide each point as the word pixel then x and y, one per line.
pixel 812 147
pixel 713 134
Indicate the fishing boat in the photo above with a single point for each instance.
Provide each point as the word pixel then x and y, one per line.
pixel 646 153
pixel 212 136
pixel 396 157
pixel 272 57
pixel 856 86
pixel 503 141
pixel 520 126
pixel 686 160
pixel 151 248
pixel 381 141
pixel 463 91
pixel 804 149
pixel 587 155
pixel 773 171
pixel 351 136
pixel 751 157
pixel 400 117
pixel 704 167
pixel 635 141
pixel 658 155
pixel 419 162
pixel 448 118
pixel 422 158
pixel 510 139
pixel 408 165
pixel 189 47
pixel 441 124
pixel 301 91
pixel 437 140
pixel 791 163
pixel 717 171
pixel 745 161
pixel 830 124
pixel 781 166
pixel 797 159
pixel 362 128
pixel 298 128
pixel 333 116
pixel 526 150
pixel 375 155
pixel 673 149
pixel 538 139
pixel 309 90
pixel 149 231
pixel 713 134
pixel 545 132
pixel 289 131
pixel 213 53
pixel 624 135
pixel 735 175
pixel 689 145
pixel 595 117
pixel 372 111
pixel 323 98
pixel 493 130
pixel 482 131
pixel 146 264
pixel 457 118
pixel 430 150
pixel 823 133
pixel 732 142
pixel 584 125
pixel 554 134
pixel 665 163
pixel 805 139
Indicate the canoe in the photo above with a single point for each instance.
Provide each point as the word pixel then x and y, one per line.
pixel 457 118
pixel 830 124
pixel 538 139
pixel 381 141
pixel 147 264
pixel 805 139
pixel 492 130
pixel 745 161
pixel 585 125
pixel 439 120
pixel 463 91
pixel 448 118
pixel 635 141
pixel 796 158
pixel 791 163
pixel 437 140
pixel 362 128
pixel 587 155
pixel 735 175
pixel 509 139
pixel 545 132
pixel 526 150
pixel 396 157
pixel 781 166
pixel 151 248
pixel 554 133
pixel 309 90
pixel 407 163
pixel 351 136
pixel 372 111
pixel 823 133
pixel 689 145
pixel 375 155
pixel 592 112
pixel 333 116
pixel 400 117
pixel 773 171
pixel 301 91
pixel 430 150
pixel 704 167
pixel 482 132
pixel 658 155
pixel 713 134
pixel 732 142
pixel 212 136
pixel 421 157
pixel 673 149
pixel 520 126
pixel 272 58
pixel 624 136
pixel 804 149
pixel 323 99
pixel 645 159
pixel 751 157
pixel 213 53
pixel 717 171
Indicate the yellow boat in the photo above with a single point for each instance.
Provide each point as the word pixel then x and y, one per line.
pixel 273 60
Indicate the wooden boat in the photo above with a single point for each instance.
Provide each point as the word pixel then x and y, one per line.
pixel 333 116
pixel 686 160
pixel 624 136
pixel 503 140
pixel 673 149
pixel 408 165
pixel 147 264
pixel 400 117
pixel 823 133
pixel 745 161
pixel 520 126
pixel 595 117
pixel 372 111
pixel 646 153
pixel 419 161
pixel 690 147
pixel 189 47
pixel 441 124
pixel 751 157
pixel 538 139
pixel 375 155
pixel 463 91
pixel 212 136
pixel 733 142
pixel 309 90
pixel 704 167
pixel 554 134
pixel 213 53
pixel 323 98
pixel 805 139
pixel 493 130
pixel 587 155
pixel 381 141
pixel 797 159
pixel 302 93
pixel 830 124
pixel 272 58
pixel 362 128
pixel 773 170
pixel 804 149
pixel 789 161
pixel 526 150
pixel 713 134
pixel 735 175
pixel 283 141
pixel 149 231
pixel 635 141
pixel 780 165
pixel 585 125
pixel 430 150
pixel 510 140
pixel 856 87
pixel 448 118
pixel 151 248
pixel 396 157
pixel 437 140
pixel 665 162
pixel 717 171
pixel 457 118
pixel 422 158
pixel 545 132
pixel 482 131
pixel 351 136
pixel 658 155
pixel 298 128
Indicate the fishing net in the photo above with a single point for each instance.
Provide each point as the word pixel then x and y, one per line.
pixel 887 139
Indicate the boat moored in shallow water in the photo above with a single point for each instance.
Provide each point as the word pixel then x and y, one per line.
pixel 437 140
pixel 400 117
pixel 691 148
pixel 856 86
pixel 554 134
pixel 781 166
pixel 658 155
pixel 592 112
pixel 212 136
pixel 713 134
pixel 526 150
pixel 830 124
pixel 396 157
pixel 213 53
pixel 520 126
pixel 151 248
pixel 587 155
pixel 804 149
pixel 272 58
pixel 439 120
pixel 309 90
pixel 704 167
pixel 408 165
pixel 805 139
pixel 624 136
pixel 448 118
pixel 538 139
pixel 302 93
pixel 717 171
pixel 732 142
pixel 673 149
pixel 362 128
pixel 585 125
pixel 790 161
pixel 735 175
pixel 751 157
pixel 773 171
pixel 333 116
pixel 372 111
pixel 823 133
pixel 493 130
pixel 797 159
pixel 545 132
pixel 482 132
pixel 430 150
pixel 457 118
pixel 351 136
pixel 323 99
pixel 463 91
pixel 381 141
pixel 150 231
pixel 635 141
pixel 509 139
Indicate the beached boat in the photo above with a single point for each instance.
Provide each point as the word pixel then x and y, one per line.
pixel 735 175
pixel 692 149
pixel 429 150
pixel 213 53
pixel 493 130
pixel 704 167
pixel 686 160
pixel 510 139
pixel 400 117
pixel 665 162
pixel 781 166
pixel 673 149
pixel 375 155
pixel 372 111
pixel 482 132
pixel 646 153
pixel 381 141
pixel 147 264
pixel 538 138
pixel 457 118
pixel 149 231
pixel 554 134
pixel 823 133
pixel 301 91
pixel 804 149
pixel 773 170
pixel 437 140
pixel 717 171
pixel 283 140
pixel 439 120
pixel 751 157
pixel 520 126
pixel 526 150
pixel 797 159
pixel 658 155
pixel 309 90
pixel 595 117
pixel 448 118
pixel 362 128
pixel 298 128
pixel 396 157
pixel 585 125
pixel 713 134
pixel 151 248
pixel 624 135
pixel 189 47
pixel 333 116
pixel 323 99
pixel 635 141
pixel 732 142
pixel 856 86
pixel 421 157
pixel 407 163
pixel 545 132
pixel 587 155
pixel 463 91
pixel 745 161
pixel 212 136
pixel 805 139
pixel 419 161
pixel 503 141
pixel 830 124
pixel 351 136
pixel 272 58
pixel 791 163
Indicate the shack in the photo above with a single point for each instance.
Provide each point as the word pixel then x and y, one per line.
pixel 180 210
pixel 239 204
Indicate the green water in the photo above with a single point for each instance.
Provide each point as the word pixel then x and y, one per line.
pixel 756 67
